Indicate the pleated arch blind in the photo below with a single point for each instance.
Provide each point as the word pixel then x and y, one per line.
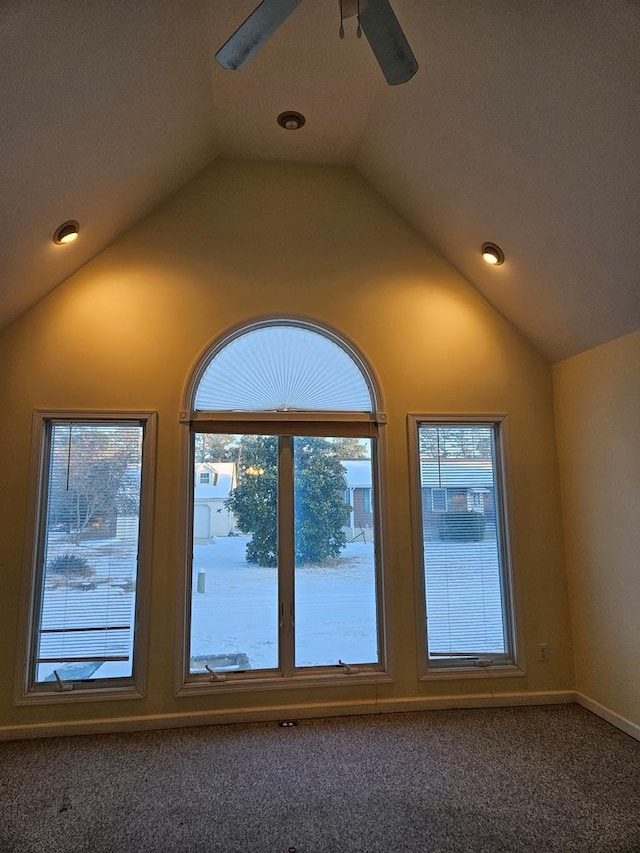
pixel 283 367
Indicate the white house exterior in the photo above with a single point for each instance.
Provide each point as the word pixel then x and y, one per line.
pixel 213 482
pixel 359 497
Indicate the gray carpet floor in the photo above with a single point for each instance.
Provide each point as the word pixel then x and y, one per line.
pixel 544 779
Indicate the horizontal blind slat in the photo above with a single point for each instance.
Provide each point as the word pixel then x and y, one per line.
pixel 462 560
pixel 91 529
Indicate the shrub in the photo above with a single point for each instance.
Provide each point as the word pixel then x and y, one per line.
pixel 70 566
pixel 461 526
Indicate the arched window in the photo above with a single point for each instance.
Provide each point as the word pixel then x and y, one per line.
pixel 284 531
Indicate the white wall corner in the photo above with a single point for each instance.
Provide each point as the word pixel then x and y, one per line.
pixel 610 716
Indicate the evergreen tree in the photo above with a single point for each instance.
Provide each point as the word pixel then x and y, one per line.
pixel 255 499
pixel 320 509
pixel 352 448
pixel 214 447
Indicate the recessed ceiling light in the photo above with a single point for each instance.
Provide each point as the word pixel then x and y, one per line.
pixel 492 254
pixel 66 233
pixel 291 120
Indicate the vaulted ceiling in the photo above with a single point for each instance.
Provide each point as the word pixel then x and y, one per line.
pixel 522 127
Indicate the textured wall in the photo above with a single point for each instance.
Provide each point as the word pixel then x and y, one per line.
pixel 249 239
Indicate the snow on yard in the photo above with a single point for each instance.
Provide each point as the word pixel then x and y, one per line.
pixel 464 596
pixel 106 598
pixel 335 607
pixel 335 604
pixel 236 613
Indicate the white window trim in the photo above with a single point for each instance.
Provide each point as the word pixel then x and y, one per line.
pixel 365 424
pixel 133 687
pixel 468 667
pixel 188 683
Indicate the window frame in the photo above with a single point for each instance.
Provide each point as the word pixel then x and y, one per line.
pixel 511 662
pixel 27 691
pixel 283 424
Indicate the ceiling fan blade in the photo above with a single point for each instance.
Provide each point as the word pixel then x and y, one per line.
pixel 254 32
pixel 388 42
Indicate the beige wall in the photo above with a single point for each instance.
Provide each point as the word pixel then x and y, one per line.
pixel 598 423
pixel 248 239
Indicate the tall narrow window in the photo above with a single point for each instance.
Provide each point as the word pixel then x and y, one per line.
pixel 284 566
pixel 464 565
pixel 86 566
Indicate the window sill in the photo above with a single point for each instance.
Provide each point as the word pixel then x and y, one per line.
pixel 278 682
pixel 506 670
pixel 77 694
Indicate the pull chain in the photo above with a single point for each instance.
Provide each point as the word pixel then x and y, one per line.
pixel 341 30
pixel 68 461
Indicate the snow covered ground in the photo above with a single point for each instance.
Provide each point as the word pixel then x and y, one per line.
pixel 335 607
pixel 236 611
pixel 105 598
pixel 464 596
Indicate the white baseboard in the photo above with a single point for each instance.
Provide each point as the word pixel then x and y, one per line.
pixel 288 712
pixel 610 716
pixel 301 712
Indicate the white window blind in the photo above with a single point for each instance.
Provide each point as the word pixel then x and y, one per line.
pixel 89 532
pixel 461 505
pixel 277 368
pixel 294 580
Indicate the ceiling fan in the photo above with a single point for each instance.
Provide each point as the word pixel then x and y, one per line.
pixel 375 18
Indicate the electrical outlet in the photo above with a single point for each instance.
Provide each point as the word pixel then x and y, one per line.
pixel 543 651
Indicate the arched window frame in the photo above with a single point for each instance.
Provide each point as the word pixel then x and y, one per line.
pixel 285 424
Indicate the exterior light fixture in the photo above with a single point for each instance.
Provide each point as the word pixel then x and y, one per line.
pixel 291 120
pixel 66 233
pixel 492 254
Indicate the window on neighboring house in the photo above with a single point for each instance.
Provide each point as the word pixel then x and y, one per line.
pixel 88 567
pixel 205 478
pixel 464 568
pixel 277 587
pixel 438 499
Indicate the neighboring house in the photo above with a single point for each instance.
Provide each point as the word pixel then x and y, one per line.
pixel 456 485
pixel 448 485
pixel 358 496
pixel 213 482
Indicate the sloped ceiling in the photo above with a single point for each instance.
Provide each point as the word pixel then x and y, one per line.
pixel 521 127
